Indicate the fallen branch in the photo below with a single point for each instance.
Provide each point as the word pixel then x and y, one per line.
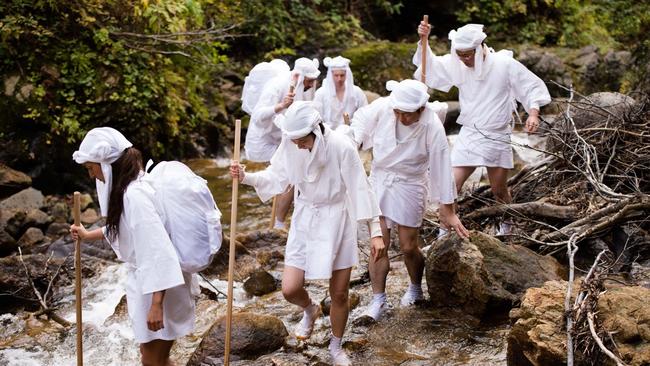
pixel 537 208
pixel 594 334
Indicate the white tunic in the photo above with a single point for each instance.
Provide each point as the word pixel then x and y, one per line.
pixel 406 175
pixel 148 253
pixel 332 109
pixel 263 136
pixel 331 194
pixel 487 103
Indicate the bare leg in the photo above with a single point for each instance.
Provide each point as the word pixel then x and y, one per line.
pixel 379 269
pixel 156 352
pixel 284 202
pixel 413 257
pixel 293 290
pixel 499 183
pixel 461 173
pixel 339 311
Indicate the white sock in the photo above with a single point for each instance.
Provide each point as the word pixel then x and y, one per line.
pixel 279 224
pixel 335 344
pixel 380 297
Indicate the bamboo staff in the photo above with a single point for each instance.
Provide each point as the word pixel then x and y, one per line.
pixel 424 42
pixel 77 270
pixel 292 88
pixel 233 232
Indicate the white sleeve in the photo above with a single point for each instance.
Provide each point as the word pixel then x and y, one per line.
pixel 157 264
pixel 442 186
pixel 528 88
pixel 361 98
pixel 363 201
pixel 272 180
pixel 437 75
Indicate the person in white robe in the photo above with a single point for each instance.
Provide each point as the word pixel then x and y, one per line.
pixel 410 170
pixel 262 136
pixel 332 195
pixel 338 95
pixel 489 86
pixel 158 294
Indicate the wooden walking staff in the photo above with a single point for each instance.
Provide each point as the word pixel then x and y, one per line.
pixel 346 118
pixel 424 43
pixel 77 274
pixel 233 233
pixel 274 207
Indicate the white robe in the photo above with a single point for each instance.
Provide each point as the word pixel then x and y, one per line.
pixel 406 175
pixel 263 136
pixel 331 194
pixel 332 109
pixel 153 265
pixel 487 103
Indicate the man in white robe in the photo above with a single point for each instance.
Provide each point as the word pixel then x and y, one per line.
pixel 489 84
pixel 338 95
pixel 263 136
pixel 332 194
pixel 410 169
pixel 158 294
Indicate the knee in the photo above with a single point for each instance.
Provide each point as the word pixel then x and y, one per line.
pixel 339 298
pixel 289 292
pixel 410 249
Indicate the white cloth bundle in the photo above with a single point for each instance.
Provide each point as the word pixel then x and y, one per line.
pixel 103 145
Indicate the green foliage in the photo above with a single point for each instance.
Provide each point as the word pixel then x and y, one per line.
pixel 75 68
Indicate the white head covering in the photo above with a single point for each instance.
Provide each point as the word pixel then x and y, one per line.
pixel 337 63
pixel 304 68
pixel 102 145
pixel 300 120
pixel 470 37
pixel 407 95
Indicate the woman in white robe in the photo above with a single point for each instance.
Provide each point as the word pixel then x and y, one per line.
pixel 338 95
pixel 410 169
pixel 158 294
pixel 331 195
pixel 489 86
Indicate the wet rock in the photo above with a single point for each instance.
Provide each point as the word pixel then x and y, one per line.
pixel 269 259
pixel 7 244
pixel 15 225
pixel 14 280
pixel 27 199
pixel 57 229
pixel 260 283
pixel 246 263
pixel 85 201
pixel 12 181
pixel 37 218
pixel 482 275
pixel 263 239
pixel 252 336
pixel 538 335
pixel 295 359
pixel 64 247
pixel 326 303
pixel 30 238
pixel 89 216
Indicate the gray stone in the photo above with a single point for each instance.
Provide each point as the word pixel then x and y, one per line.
pixel 37 218
pixel 7 244
pixel 260 283
pixel 57 229
pixel 27 199
pixel 12 181
pixel 30 238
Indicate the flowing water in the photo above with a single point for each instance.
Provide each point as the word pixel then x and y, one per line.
pixel 415 336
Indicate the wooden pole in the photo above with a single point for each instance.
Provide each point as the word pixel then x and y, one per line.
pixel 424 42
pixel 77 270
pixel 346 118
pixel 233 233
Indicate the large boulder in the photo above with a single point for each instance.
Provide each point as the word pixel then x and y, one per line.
pixel 25 200
pixel 260 283
pixel 538 335
pixel 246 263
pixel 482 276
pixel 7 244
pixel 12 181
pixel 600 107
pixel 30 238
pixel 252 336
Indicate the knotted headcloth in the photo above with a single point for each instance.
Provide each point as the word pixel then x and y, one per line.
pixel 469 37
pixel 407 95
pixel 103 145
